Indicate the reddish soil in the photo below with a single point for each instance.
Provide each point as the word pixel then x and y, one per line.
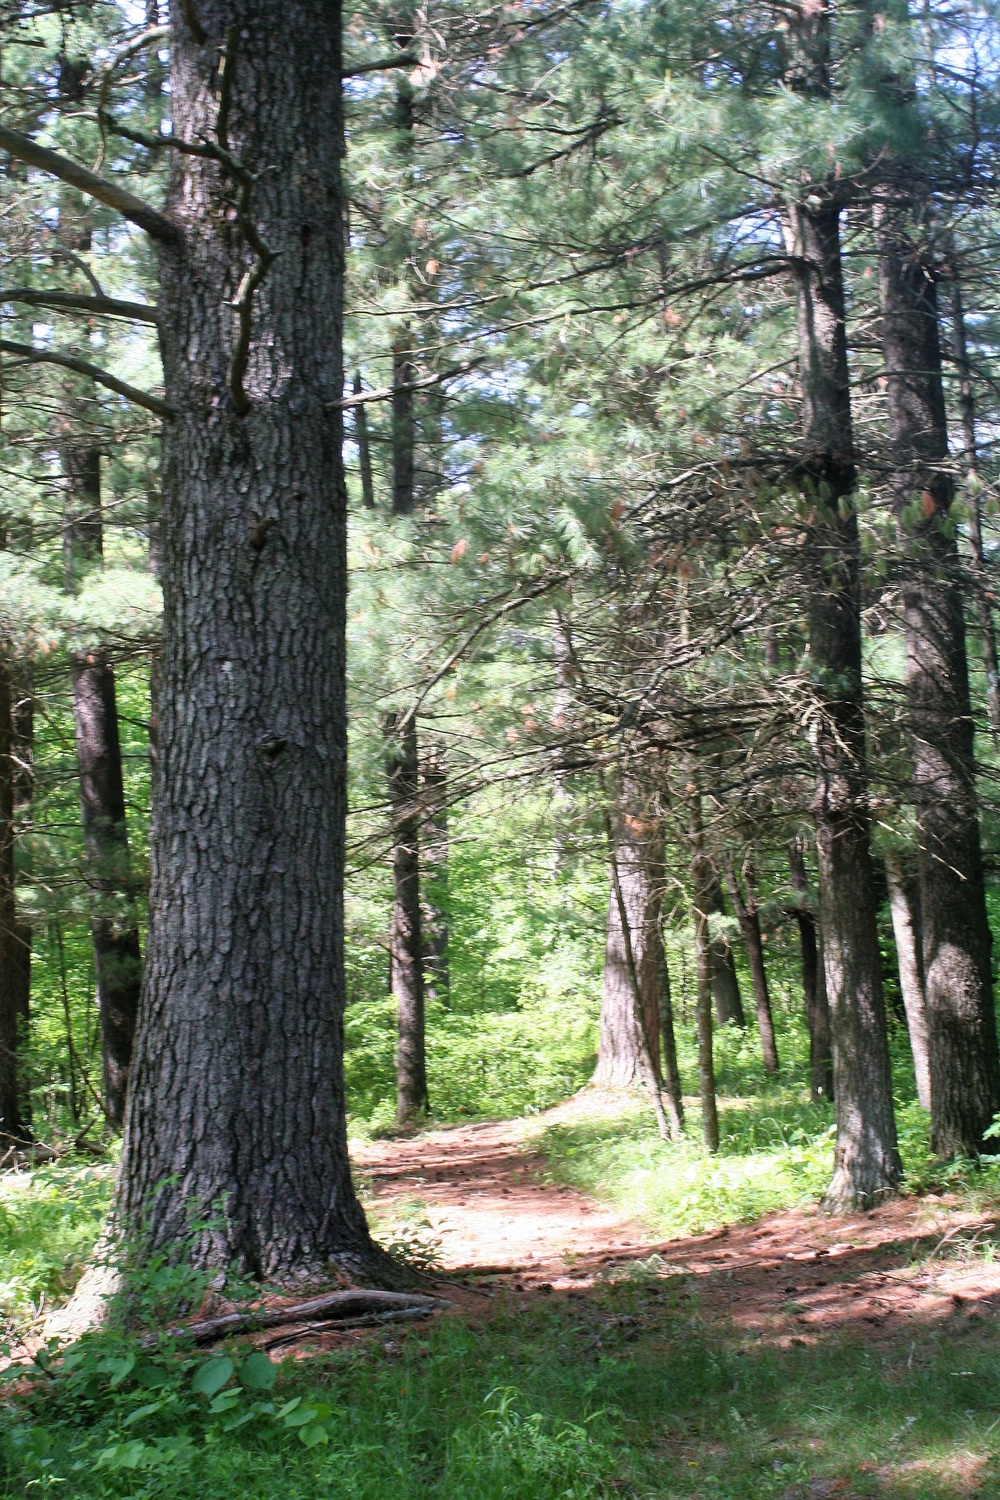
pixel 477 1194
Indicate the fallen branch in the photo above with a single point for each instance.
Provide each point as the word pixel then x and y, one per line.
pixel 365 1320
pixel 334 1307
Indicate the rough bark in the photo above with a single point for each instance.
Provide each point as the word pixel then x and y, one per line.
pixel 708 898
pixel 11 1122
pixel 867 1166
pixel 434 855
pixel 638 856
pixel 813 983
pixel 904 903
pixel 748 916
pixel 668 1045
pixel 405 940
pixel 964 1061
pixel 236 1106
pixel 973 487
pixel 113 926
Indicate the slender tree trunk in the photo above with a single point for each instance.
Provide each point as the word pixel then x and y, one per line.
pixel 867 1165
pixel 904 903
pixel 364 448
pixel 668 1043
pixel 23 751
pixel 434 852
pixel 406 947
pixel 236 1105
pixel 404 364
pixel 964 1061
pixel 973 485
pixel 813 983
pixel 708 898
pixel 114 931
pixel 11 1123
pixel 700 883
pixel 748 916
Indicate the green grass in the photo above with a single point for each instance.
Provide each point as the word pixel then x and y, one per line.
pixel 629 1391
pixel 49 1221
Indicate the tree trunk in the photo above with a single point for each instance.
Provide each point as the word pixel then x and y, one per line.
pixel 708 898
pixel 236 1107
pixel 700 883
pixel 113 927
pixel 364 449
pixel 973 486
pixel 867 1166
pixel 904 903
pixel 405 941
pixel 638 855
pixel 748 916
pixel 668 1043
pixel 11 1123
pixel 964 1061
pixel 813 984
pixel 434 852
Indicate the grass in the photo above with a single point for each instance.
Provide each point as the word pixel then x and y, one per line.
pixel 49 1221
pixel 631 1391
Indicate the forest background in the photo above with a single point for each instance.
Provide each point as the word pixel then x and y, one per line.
pixel 584 674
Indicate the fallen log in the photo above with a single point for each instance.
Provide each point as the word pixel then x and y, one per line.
pixel 334 1307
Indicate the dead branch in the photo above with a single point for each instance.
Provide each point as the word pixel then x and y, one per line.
pixel 83 367
pixel 334 1307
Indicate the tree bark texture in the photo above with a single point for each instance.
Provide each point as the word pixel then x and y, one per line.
pixel 964 1062
pixel 434 858
pixel 113 926
pixel 405 938
pixel 867 1165
pixel 11 1122
pixel 748 916
pixel 813 983
pixel 236 1106
pixel 668 1045
pixel 708 899
pixel 983 601
pixel 624 1034
pixel 904 903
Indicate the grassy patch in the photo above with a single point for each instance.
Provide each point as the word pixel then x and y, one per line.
pixel 628 1391
pixel 49 1222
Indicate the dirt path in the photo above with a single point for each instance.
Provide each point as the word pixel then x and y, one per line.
pixel 481 1196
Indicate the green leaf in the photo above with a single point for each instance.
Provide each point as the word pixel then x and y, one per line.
pixel 285 1411
pixel 314 1434
pixel 143 1411
pixel 124 1367
pixel 257 1372
pixel 226 1401
pixel 212 1375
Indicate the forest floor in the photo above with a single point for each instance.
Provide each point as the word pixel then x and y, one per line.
pixel 479 1202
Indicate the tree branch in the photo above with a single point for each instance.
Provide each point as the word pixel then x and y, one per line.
pixel 83 367
pixel 397 60
pixel 387 392
pixel 109 307
pixel 23 148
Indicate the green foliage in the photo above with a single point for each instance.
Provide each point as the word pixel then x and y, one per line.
pixel 50 1220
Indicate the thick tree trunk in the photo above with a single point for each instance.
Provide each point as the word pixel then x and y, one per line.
pixel 434 852
pixel 904 903
pixel 405 939
pixel 11 1122
pixel 964 1061
pixel 748 916
pixel 114 931
pixel 624 1037
pixel 813 983
pixel 867 1165
pixel 236 1106
pixel 984 606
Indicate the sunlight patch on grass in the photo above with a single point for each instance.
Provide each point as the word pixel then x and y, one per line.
pixel 50 1220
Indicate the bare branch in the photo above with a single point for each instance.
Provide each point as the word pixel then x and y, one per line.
pixel 152 34
pixel 83 367
pixel 23 148
pixel 397 60
pixel 109 307
pixel 387 392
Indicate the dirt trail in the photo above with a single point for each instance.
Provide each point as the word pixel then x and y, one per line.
pixel 481 1195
